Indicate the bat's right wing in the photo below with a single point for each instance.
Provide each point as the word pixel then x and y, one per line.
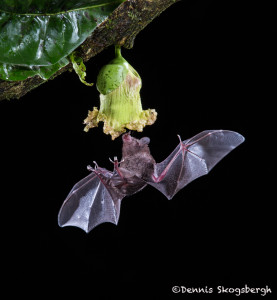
pixel 91 202
pixel 193 158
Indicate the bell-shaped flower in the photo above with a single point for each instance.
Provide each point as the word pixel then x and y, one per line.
pixel 120 104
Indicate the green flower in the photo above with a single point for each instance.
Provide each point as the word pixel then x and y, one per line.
pixel 120 105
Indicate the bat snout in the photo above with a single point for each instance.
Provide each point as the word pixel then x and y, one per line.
pixel 126 137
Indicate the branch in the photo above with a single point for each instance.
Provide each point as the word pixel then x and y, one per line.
pixel 120 28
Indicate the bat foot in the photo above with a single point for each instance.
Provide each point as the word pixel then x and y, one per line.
pixel 115 161
pixel 116 164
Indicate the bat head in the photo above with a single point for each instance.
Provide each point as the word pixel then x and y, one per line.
pixel 132 145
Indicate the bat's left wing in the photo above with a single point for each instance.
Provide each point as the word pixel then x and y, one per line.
pixel 92 201
pixel 193 158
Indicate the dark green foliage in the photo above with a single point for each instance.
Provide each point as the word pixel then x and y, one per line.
pixel 36 36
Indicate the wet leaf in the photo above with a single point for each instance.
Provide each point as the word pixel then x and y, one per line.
pixel 36 36
pixel 79 67
pixel 15 72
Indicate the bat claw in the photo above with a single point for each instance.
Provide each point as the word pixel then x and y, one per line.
pixel 95 165
pixel 179 137
pixel 115 160
pixel 90 168
pixel 116 166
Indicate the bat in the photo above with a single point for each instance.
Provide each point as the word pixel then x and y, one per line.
pixel 96 198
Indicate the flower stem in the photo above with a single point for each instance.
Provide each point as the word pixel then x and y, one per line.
pixel 117 49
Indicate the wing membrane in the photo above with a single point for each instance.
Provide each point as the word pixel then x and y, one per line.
pixel 90 203
pixel 193 158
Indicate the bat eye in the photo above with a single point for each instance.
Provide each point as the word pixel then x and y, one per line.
pixel 144 141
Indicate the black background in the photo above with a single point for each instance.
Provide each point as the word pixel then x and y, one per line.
pixel 204 65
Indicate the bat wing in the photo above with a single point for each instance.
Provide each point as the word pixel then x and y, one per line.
pixel 91 202
pixel 193 158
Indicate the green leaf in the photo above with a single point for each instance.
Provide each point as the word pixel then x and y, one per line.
pixel 41 33
pixel 15 73
pixel 79 67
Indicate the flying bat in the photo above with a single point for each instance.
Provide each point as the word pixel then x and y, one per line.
pixel 96 198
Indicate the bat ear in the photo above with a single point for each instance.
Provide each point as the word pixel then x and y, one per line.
pixel 144 141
